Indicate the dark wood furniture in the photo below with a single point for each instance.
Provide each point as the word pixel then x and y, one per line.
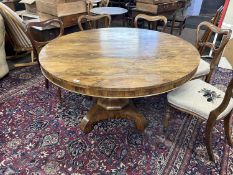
pixel 68 20
pixel 151 19
pixel 134 63
pixel 118 3
pixel 93 21
pixel 66 10
pixel 165 9
pixel 37 45
pixel 177 22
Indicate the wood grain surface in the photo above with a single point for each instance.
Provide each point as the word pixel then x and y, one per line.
pixel 119 62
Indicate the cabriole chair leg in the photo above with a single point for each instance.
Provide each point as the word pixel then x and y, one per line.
pixel 46 83
pixel 228 129
pixel 166 116
pixel 208 139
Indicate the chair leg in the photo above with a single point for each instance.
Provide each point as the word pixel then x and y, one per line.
pixel 166 115
pixel 208 78
pixel 208 139
pixel 228 129
pixel 46 83
pixel 181 28
pixel 32 56
pixel 59 93
pixel 33 62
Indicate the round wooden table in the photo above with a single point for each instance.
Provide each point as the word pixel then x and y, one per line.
pixel 116 64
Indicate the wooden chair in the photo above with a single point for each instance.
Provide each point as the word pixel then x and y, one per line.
pixel 37 45
pixel 207 103
pixel 150 19
pixel 15 28
pixel 207 34
pixel 93 20
pixel 178 19
pixel 177 22
pixel 205 70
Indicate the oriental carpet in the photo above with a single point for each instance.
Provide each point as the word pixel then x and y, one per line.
pixel 39 135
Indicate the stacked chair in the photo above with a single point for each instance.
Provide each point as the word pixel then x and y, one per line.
pixel 21 37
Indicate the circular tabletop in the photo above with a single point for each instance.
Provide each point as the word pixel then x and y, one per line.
pixel 119 62
pixel 109 10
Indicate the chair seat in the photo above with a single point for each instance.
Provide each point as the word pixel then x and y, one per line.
pixel 203 69
pixel 200 98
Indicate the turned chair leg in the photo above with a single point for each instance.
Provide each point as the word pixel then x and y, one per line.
pixel 208 139
pixel 46 83
pixel 166 116
pixel 228 129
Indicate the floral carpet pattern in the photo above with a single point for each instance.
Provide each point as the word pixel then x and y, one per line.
pixel 39 135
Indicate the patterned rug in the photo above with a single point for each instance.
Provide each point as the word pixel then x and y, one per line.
pixel 38 135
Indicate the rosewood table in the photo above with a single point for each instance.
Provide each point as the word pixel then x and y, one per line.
pixel 117 64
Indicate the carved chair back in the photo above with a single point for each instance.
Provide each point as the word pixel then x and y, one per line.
pixel 207 34
pixel 216 50
pixel 37 45
pixel 151 19
pixel 226 100
pixel 15 29
pixel 92 21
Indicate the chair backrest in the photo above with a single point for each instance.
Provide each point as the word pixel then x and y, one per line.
pixel 207 34
pixel 216 49
pixel 37 45
pixel 15 29
pixel 92 21
pixel 227 98
pixel 150 19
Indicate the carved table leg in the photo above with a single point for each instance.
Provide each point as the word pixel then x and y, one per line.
pixel 112 109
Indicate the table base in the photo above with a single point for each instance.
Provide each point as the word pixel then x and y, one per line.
pixel 112 109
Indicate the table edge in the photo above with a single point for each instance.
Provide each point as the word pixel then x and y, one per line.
pixel 114 93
